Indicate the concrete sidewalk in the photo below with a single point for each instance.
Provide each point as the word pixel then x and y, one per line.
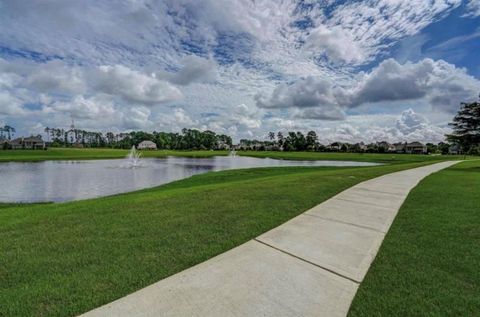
pixel 309 266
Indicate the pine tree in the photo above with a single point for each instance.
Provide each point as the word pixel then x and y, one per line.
pixel 466 126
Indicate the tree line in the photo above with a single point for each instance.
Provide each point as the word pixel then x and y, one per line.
pixel 188 139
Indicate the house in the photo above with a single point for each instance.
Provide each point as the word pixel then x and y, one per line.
pixel 222 145
pixel 416 148
pixel 335 146
pixel 399 147
pixel 29 143
pixel 147 145
pixel 455 149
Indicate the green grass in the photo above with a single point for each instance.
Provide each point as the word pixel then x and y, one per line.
pixel 84 154
pixel 92 154
pixel 65 259
pixel 391 158
pixel 429 263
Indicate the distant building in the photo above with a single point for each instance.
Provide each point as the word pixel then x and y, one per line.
pixel 399 147
pixel 455 149
pixel 147 145
pixel 335 146
pixel 222 145
pixel 29 143
pixel 416 148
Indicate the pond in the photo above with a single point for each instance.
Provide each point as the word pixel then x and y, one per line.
pixel 60 181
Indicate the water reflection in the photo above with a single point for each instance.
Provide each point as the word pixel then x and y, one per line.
pixel 72 180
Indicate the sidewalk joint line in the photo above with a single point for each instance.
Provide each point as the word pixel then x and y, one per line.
pixel 375 191
pixel 343 222
pixel 367 204
pixel 309 262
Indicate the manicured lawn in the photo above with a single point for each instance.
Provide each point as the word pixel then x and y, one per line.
pixel 65 259
pixel 391 158
pixel 83 154
pixel 92 154
pixel 429 263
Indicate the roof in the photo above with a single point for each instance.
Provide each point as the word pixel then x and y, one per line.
pixel 415 144
pixel 33 139
pixel 28 139
pixel 147 142
pixel 17 141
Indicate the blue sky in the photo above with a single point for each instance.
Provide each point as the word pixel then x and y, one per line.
pixel 350 70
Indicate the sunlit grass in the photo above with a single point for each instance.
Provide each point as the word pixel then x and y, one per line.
pixel 429 262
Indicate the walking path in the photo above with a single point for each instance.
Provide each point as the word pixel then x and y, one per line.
pixel 310 266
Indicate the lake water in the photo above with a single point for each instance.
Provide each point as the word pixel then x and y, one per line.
pixel 73 180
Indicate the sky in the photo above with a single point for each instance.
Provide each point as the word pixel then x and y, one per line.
pixel 350 70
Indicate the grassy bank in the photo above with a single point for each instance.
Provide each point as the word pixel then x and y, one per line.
pixel 86 154
pixel 65 259
pixel 91 154
pixel 391 158
pixel 429 262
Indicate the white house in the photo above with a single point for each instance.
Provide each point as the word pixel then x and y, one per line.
pixel 416 148
pixel 147 145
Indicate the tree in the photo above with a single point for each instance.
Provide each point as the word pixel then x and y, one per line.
pixel 271 136
pixel 311 140
pixel 466 126
pixel 9 130
pixel 443 147
pixel 280 139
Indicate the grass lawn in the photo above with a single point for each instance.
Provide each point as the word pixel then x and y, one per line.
pixel 84 154
pixel 429 263
pixel 92 154
pixel 65 259
pixel 391 158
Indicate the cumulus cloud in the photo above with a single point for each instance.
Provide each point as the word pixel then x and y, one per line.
pixel 83 108
pixel 336 43
pixel 10 105
pixel 56 76
pixel 133 86
pixel 409 126
pixel 320 94
pixel 441 84
pixel 194 69
pixel 136 118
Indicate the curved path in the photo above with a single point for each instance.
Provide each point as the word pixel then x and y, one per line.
pixel 309 266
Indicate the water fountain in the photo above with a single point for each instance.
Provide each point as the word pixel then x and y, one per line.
pixel 232 153
pixel 133 158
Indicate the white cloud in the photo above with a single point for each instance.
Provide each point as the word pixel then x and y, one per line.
pixel 194 69
pixel 442 84
pixel 83 108
pixel 133 86
pixel 137 118
pixel 336 43
pixel 10 105
pixel 472 9
pixel 439 83
pixel 307 93
pixel 56 76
